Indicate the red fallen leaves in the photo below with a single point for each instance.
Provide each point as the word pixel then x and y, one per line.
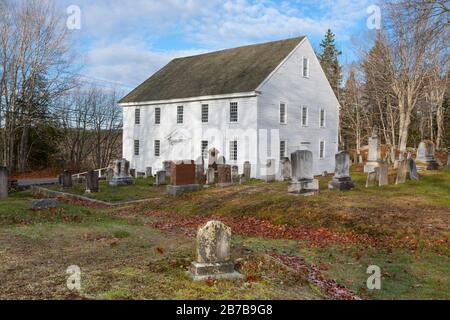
pixel 84 203
pixel 112 241
pixel 314 276
pixel 254 227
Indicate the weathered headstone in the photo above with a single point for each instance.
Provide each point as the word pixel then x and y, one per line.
pixel 121 175
pixel 221 160
pixel 270 175
pixel 286 169
pixel 213 157
pixel 342 179
pixel 133 173
pixel 374 157
pixel 303 181
pixel 224 175
pixel 234 174
pixel 426 158
pixel 167 167
pixel 92 185
pixel 148 172
pixel 247 170
pixel 412 169
pixel 382 174
pixel 371 179
pixel 42 204
pixel 3 183
pixel 210 176
pixel 243 179
pixel 183 178
pixel 213 254
pixel 66 180
pixel 402 172
pixel 161 178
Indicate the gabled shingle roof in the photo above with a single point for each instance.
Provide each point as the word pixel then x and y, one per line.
pixel 228 71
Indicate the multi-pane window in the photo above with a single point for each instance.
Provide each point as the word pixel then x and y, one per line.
pixel 304 116
pixel 233 150
pixel 205 149
pixel 180 114
pixel 322 118
pixel 234 112
pixel 157 148
pixel 305 67
pixel 137 116
pixel 322 150
pixel 136 147
pixel 157 115
pixel 283 150
pixel 205 113
pixel 283 113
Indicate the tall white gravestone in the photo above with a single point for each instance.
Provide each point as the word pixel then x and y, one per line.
pixel 303 182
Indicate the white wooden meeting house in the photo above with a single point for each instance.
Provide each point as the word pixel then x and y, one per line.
pixel 251 103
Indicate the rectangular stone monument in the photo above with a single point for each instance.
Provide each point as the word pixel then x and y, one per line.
pixel 167 167
pixel 148 172
pixel 286 169
pixel 210 176
pixel 133 173
pixel 382 174
pixel 247 170
pixel 402 172
pixel 270 174
pixel 371 179
pixel 183 178
pixel 109 174
pixel 374 157
pixel 92 185
pixel 242 179
pixel 43 204
pixel 121 176
pixel 342 180
pixel 412 169
pixel 161 178
pixel 66 180
pixel 426 158
pixel 213 254
pixel 303 182
pixel 3 183
pixel 224 175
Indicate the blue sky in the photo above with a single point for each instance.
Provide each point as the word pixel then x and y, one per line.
pixel 121 43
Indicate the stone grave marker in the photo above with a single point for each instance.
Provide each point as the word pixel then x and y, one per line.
pixel 303 182
pixel 342 180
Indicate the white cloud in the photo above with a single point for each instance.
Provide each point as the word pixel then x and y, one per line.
pixel 122 37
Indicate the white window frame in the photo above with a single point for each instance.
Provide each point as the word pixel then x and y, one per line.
pixel 234 116
pixel 157 148
pixel 158 115
pixel 307 67
pixel 285 120
pixel 137 148
pixel 205 113
pixel 137 116
pixel 283 151
pixel 180 114
pixel 324 124
pixel 306 123
pixel 204 149
pixel 322 153
pixel 233 152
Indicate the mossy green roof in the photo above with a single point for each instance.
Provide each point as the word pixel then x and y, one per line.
pixel 228 71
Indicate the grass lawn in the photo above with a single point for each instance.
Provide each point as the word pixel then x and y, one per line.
pixel 142 251
pixel 142 189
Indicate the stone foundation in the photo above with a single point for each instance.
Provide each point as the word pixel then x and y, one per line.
pixel 304 187
pixel 178 190
pixel 345 183
pixel 215 271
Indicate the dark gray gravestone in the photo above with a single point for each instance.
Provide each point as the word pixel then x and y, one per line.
pixel 92 184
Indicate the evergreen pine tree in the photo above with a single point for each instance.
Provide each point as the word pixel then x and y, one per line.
pixel 329 59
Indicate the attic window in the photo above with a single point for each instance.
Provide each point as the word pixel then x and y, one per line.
pixel 283 114
pixel 137 116
pixel 305 67
pixel 157 115
pixel 234 112
pixel 180 115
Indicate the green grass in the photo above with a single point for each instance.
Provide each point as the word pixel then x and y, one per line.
pixel 124 258
pixel 142 189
